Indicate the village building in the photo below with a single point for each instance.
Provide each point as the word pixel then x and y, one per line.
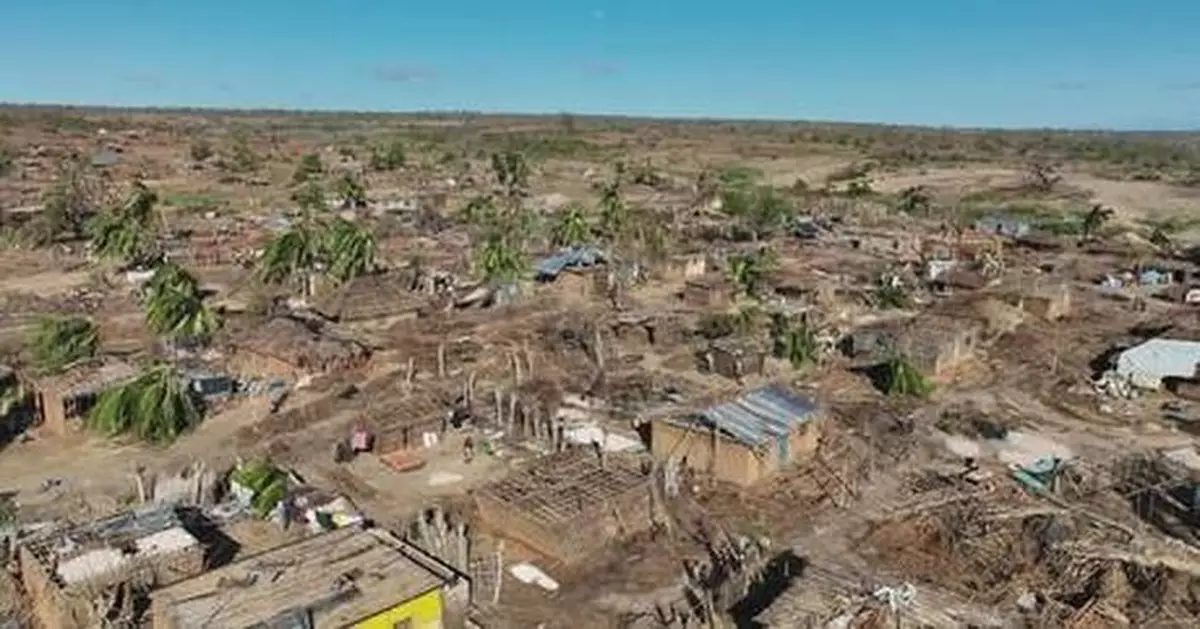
pixel 1158 361
pixel 1049 301
pixel 74 576
pixel 941 339
pixel 380 298
pixel 706 291
pixel 742 441
pixel 735 358
pixel 289 348
pixel 570 504
pixel 346 578
pixel 66 396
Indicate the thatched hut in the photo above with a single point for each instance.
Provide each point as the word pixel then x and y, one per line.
pixel 292 348
pixel 369 298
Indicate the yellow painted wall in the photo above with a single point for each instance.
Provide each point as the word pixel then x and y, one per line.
pixel 423 612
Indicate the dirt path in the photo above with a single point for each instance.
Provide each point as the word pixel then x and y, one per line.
pixel 49 283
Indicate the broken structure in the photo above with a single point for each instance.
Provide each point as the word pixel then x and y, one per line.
pixel 71 394
pixel 370 298
pixel 290 348
pixel 570 504
pixel 345 578
pixel 1149 364
pixel 76 576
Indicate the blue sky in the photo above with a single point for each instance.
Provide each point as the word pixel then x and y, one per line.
pixel 1075 63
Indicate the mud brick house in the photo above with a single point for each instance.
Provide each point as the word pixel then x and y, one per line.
pixel 744 440
pixel 380 297
pixel 734 358
pixel 1049 301
pixel 290 348
pixel 708 290
pixel 570 504
pixel 69 395
pixel 937 344
pixel 367 579
pixel 67 572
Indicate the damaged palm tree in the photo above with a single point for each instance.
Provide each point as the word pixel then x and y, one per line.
pixel 749 271
pixel 156 407
pixel 890 293
pixel 795 342
pixel 904 379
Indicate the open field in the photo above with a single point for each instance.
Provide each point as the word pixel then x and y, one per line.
pixel 948 440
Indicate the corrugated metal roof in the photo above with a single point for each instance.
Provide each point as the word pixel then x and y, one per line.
pixel 1147 364
pixel 758 417
pixel 574 257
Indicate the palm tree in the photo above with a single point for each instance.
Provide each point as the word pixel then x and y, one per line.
pixel 114 237
pixel 155 407
pixel 290 255
pixel 126 231
pixel 512 174
pixel 169 274
pixel 266 482
pixel 795 343
pixel 748 271
pixel 175 306
pixel 915 200
pixel 349 250
pixel 479 211
pixel 904 379
pixel 499 259
pixel 308 168
pixel 58 342
pixel 1094 220
pixel 344 250
pixel 890 293
pixel 351 191
pixel 614 214
pixel 572 228
pixel 1162 231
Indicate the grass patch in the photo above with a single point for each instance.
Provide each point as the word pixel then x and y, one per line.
pixel 194 202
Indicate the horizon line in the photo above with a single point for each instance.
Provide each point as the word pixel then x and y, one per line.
pixel 595 117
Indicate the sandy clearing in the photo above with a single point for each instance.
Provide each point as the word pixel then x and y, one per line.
pixel 49 283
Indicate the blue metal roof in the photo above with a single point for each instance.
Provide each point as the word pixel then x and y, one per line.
pixel 759 417
pixel 574 257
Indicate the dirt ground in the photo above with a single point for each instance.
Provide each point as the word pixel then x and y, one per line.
pixel 859 512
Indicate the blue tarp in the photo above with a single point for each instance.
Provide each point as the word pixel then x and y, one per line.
pixel 581 256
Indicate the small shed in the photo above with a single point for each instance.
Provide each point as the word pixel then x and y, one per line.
pixel 742 441
pixel 72 394
pixel 734 358
pixel 708 290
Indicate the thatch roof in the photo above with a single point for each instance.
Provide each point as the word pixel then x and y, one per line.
pixel 88 377
pixel 368 297
pixel 301 343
